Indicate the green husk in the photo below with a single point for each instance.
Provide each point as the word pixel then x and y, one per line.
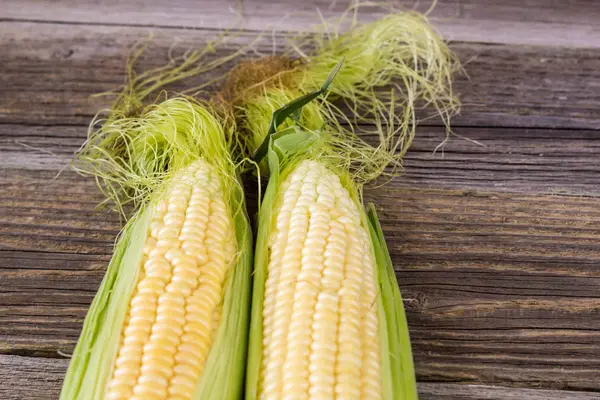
pixel 401 361
pixel 92 361
pixel 133 159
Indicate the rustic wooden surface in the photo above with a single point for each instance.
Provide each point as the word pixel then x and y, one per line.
pixel 496 239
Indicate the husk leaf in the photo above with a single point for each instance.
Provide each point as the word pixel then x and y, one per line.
pixel 92 361
pixel 398 347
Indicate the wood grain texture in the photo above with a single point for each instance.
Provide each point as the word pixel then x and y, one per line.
pixel 499 287
pixel 26 378
pixel 29 378
pixel 501 159
pixel 504 286
pixel 441 391
pixel 568 23
pixel 507 86
pixel 495 239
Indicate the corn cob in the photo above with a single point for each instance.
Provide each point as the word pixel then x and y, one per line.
pixel 187 255
pixel 327 316
pixel 320 322
pixel 170 318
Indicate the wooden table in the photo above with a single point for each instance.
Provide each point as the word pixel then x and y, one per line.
pixel 496 239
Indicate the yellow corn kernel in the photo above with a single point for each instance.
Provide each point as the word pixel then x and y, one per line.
pixel 175 309
pixel 320 321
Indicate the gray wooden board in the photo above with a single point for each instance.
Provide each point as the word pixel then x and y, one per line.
pixel 26 378
pixel 499 287
pixel 495 239
pixel 569 23
pixel 515 86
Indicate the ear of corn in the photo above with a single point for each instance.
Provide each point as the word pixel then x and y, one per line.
pixel 171 316
pixel 327 316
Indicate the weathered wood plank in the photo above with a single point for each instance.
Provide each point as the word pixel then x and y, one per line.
pixel 514 86
pixel 482 296
pixel 448 391
pixel 499 159
pixel 31 378
pixel 499 287
pixel 41 378
pixel 499 275
pixel 570 23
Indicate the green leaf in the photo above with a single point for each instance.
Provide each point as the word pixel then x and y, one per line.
pixel 402 373
pixel 93 359
pixel 293 110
